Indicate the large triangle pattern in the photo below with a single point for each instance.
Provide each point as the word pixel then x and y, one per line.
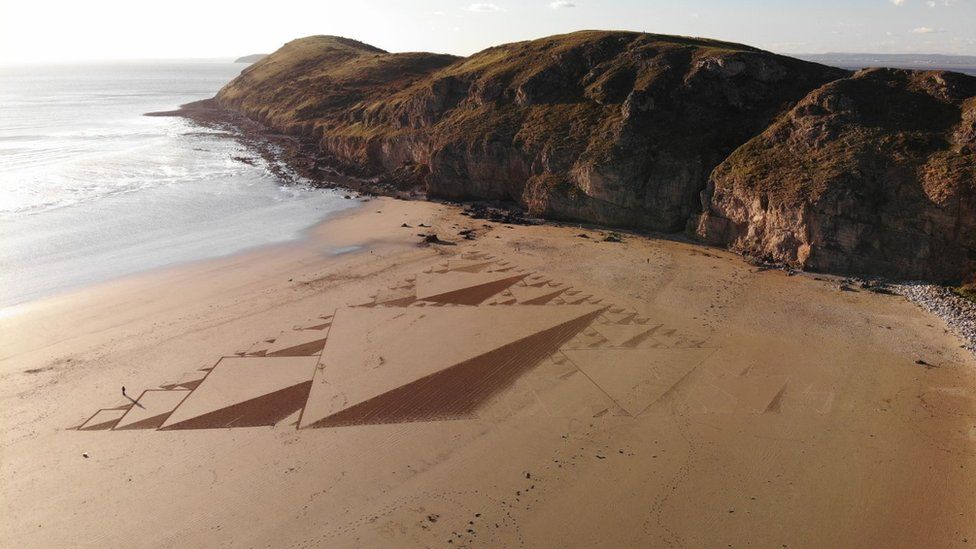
pixel 246 391
pixel 374 351
pixel 463 288
pixel 151 409
pixel 103 419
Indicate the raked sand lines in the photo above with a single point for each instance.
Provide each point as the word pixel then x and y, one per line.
pixel 444 344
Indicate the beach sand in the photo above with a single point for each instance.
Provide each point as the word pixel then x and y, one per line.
pixel 529 387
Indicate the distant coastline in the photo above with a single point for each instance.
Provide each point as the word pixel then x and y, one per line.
pixel 855 61
pixel 253 58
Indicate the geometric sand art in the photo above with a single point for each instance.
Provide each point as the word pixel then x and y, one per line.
pixel 372 354
pixel 498 330
pixel 637 378
pixel 103 419
pixel 531 295
pixel 748 394
pixel 298 343
pixel 463 288
pixel 246 392
pixel 624 335
pixel 189 380
pixel 151 409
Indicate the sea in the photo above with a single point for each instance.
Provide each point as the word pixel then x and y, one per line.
pixel 92 190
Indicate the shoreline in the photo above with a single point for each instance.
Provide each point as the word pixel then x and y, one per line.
pixel 243 270
pixel 73 287
pixel 287 156
pixel 308 238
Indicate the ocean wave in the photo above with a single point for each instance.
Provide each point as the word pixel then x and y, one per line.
pixel 29 192
pixel 91 189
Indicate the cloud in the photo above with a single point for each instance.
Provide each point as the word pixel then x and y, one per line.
pixel 923 30
pixel 897 2
pixel 484 7
pixel 560 4
pixel 930 3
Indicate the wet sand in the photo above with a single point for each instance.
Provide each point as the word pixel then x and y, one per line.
pixel 526 388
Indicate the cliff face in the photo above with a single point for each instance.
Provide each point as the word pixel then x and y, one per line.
pixel 610 127
pixel 626 129
pixel 874 174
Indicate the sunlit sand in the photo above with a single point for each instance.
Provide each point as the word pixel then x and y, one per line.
pixel 660 394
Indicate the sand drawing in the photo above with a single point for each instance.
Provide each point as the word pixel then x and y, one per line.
pixel 151 409
pixel 379 374
pixel 105 418
pixel 506 330
pixel 245 392
pixel 637 378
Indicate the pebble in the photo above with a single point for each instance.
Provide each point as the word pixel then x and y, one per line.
pixel 957 312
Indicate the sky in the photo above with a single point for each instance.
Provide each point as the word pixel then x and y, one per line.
pixel 45 31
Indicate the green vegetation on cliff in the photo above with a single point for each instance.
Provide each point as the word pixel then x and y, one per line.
pixel 629 129
pixel 629 123
pixel 882 166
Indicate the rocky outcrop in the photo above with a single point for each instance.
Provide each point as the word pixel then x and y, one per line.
pixel 872 174
pixel 609 127
pixel 799 162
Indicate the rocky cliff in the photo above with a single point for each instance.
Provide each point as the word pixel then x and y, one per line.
pixel 874 174
pixel 614 128
pixel 611 127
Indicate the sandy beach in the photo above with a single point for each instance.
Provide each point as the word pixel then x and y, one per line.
pixel 527 387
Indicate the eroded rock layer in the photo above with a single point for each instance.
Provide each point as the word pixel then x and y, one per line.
pixel 871 174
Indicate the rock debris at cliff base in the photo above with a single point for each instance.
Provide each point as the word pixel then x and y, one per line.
pixel 957 312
